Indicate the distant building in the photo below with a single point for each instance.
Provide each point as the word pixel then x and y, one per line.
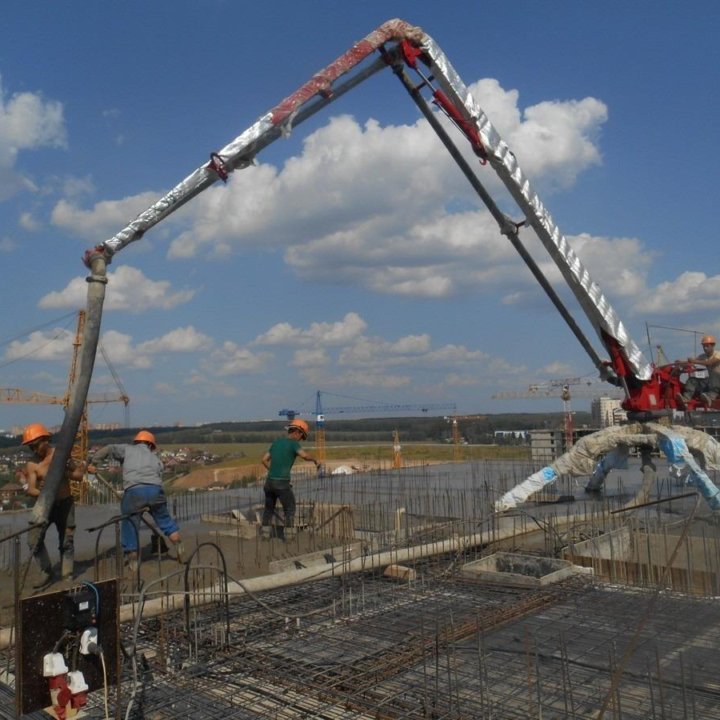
pixel 514 434
pixel 548 445
pixel 10 491
pixel 607 412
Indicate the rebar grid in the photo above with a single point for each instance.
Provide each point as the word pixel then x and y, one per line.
pixel 442 647
pixel 438 646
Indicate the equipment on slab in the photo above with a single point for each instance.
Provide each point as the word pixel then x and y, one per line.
pixel 67 647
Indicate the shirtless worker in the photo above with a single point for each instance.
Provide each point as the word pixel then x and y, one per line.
pixel 62 513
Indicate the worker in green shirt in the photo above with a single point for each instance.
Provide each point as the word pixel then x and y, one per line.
pixel 278 461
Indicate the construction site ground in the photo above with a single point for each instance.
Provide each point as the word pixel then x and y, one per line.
pixel 427 639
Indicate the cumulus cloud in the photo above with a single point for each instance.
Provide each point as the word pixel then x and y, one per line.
pixel 346 215
pixel 121 350
pixel 42 345
pixel 7 244
pixel 105 218
pixel 183 340
pixel 460 380
pixel 128 289
pixel 27 122
pixel 315 357
pixel 232 359
pixel 322 333
pixel 209 386
pixel 690 292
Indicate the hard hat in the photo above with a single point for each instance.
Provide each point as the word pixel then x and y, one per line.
pixel 33 432
pixel 145 437
pixel 300 425
pixel 707 340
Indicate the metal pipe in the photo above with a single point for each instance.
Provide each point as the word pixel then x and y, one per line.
pixel 65 438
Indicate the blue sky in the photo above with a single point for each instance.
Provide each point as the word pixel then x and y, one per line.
pixel 353 258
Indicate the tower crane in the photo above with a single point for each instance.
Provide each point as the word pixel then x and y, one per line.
pixel 397 451
pixel 557 388
pixel 321 411
pixel 80 448
pixel 453 420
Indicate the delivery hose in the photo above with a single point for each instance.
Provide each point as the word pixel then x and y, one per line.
pixel 65 438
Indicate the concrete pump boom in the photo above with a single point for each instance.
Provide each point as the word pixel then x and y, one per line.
pixel 407 50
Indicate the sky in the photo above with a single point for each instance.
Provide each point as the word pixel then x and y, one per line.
pixel 353 258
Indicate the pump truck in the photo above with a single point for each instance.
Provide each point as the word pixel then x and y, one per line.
pixel 428 77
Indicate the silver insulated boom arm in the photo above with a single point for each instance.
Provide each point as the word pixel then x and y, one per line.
pixel 401 46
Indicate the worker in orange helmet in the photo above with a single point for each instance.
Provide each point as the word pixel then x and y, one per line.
pixel 62 513
pixel 707 387
pixel 142 471
pixel 278 461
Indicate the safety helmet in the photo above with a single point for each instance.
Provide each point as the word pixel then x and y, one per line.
pixel 145 437
pixel 33 432
pixel 300 425
pixel 707 340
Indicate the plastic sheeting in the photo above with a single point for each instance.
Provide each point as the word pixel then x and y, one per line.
pixel 598 451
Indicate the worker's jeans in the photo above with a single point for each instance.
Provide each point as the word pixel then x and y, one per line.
pixel 281 491
pixel 134 500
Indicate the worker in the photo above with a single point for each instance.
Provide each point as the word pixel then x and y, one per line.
pixel 707 387
pixel 142 472
pixel 278 461
pixel 62 513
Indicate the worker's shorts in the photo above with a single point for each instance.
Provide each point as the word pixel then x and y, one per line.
pixel 136 498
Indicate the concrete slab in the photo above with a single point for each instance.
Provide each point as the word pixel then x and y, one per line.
pixel 518 570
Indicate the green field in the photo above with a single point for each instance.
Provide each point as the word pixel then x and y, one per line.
pixel 239 454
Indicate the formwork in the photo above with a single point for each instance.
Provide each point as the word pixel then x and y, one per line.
pixel 338 637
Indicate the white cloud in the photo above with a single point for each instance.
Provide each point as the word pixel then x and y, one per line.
pixel 318 333
pixel 310 358
pixel 231 359
pixel 205 386
pixel 27 122
pixel 370 378
pixel 367 378
pixel 7 244
pixel 104 220
pixel 128 289
pixel 690 292
pixel 42 345
pixel 373 350
pixel 347 215
pixel 163 388
pixel 29 222
pixel 186 339
pixel 77 186
pixel 459 380
pixel 120 349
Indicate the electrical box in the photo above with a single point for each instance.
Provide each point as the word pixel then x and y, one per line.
pixel 93 617
pixel 80 608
